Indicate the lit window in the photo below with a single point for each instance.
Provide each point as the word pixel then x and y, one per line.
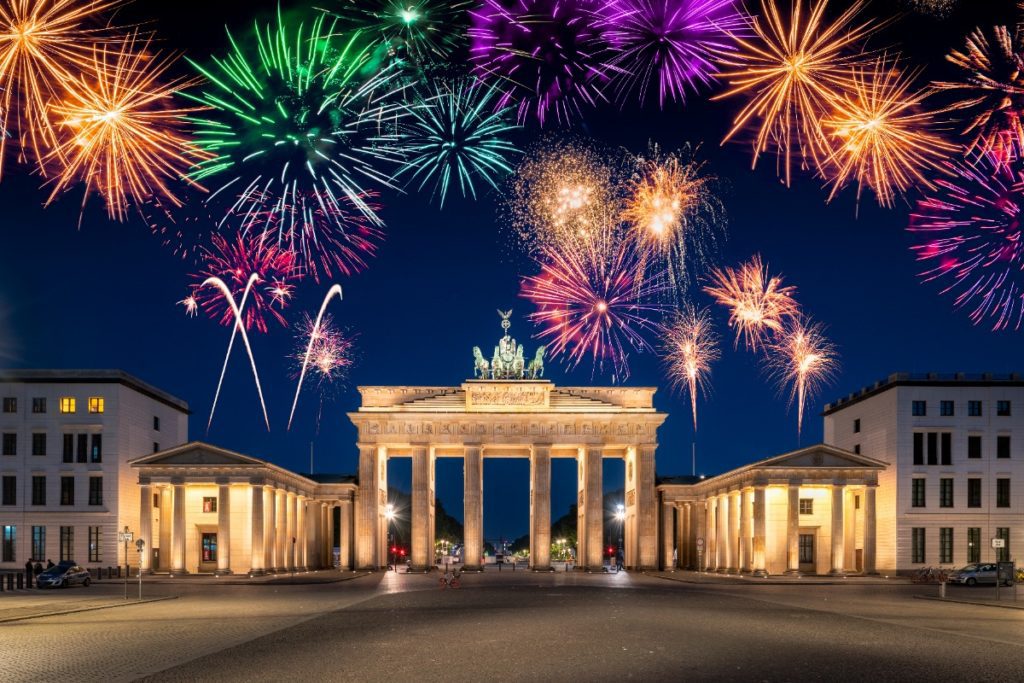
pixel 96 404
pixel 209 504
pixel 67 404
pixel 806 506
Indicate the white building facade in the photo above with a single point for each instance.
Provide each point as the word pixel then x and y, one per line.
pixel 66 437
pixel 955 479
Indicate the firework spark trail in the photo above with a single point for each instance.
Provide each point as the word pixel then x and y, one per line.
pixel 422 30
pixel 691 347
pixel 802 360
pixel 334 290
pixel 758 304
pixel 790 72
pixel 238 327
pixel 883 138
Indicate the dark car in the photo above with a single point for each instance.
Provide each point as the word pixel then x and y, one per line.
pixel 63 575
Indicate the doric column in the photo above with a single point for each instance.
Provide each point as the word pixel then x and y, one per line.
pixel 711 544
pixel 223 529
pixel 292 549
pixel 330 535
pixel 178 531
pixel 593 510
pixel 760 528
pixel 793 529
pixel 682 536
pixel 300 534
pixel 540 508
pixel 257 560
pixel 734 531
pixel 473 507
pixel 371 501
pixel 838 530
pixel 164 544
pixel 345 534
pixel 870 529
pixel 744 532
pixel 700 533
pixel 270 544
pixel 668 535
pixel 146 527
pixel 420 531
pixel 647 506
pixel 724 545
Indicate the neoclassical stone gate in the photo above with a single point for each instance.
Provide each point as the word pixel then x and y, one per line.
pixel 524 418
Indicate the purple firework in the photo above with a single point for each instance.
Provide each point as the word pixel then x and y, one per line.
pixel 549 55
pixel 669 44
pixel 971 232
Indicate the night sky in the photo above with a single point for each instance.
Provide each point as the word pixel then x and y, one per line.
pixel 104 295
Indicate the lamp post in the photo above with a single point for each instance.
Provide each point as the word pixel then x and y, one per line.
pixel 620 514
pixel 390 514
pixel 140 545
pixel 126 537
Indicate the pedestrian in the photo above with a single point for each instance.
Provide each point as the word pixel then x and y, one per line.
pixel 38 569
pixel 49 564
pixel 28 573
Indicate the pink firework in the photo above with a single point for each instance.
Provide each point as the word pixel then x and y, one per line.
pixel 550 56
pixel 328 235
pixel 234 261
pixel 327 348
pixel 593 307
pixel 970 234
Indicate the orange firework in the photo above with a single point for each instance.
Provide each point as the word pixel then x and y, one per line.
pixel 758 304
pixel 42 42
pixel 883 139
pixel 691 346
pixel 790 71
pixel 120 132
pixel 801 360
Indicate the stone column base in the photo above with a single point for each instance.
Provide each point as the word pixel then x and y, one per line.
pixel 792 572
pixel 222 572
pixel 257 572
pixel 760 573
pixel 837 572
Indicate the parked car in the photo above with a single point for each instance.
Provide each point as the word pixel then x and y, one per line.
pixel 974 574
pixel 63 575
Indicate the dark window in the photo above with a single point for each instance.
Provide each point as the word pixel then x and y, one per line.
pixel 1003 408
pixel 38 443
pixel 947 448
pixel 39 405
pixel 10 404
pixel 918 408
pixel 209 547
pixel 933 448
pixel 974 446
pixel 156 423
pixel 1003 554
pixel 945 493
pixel 974 408
pixel 95 490
pixel 38 492
pixel 974 493
pixel 917 490
pixel 69 448
pixel 918 448
pixel 946 544
pixel 96 452
pixel 946 408
pixel 67 543
pixel 156 447
pixel 856 448
pixel 10 492
pixel 95 544
pixel 67 490
pixel 38 541
pixel 974 544
pixel 10 443
pixel 806 506
pixel 1002 493
pixel 856 426
pixel 806 548
pixel 83 448
pixel 917 545
pixel 9 542
pixel 209 504
pixel 1003 446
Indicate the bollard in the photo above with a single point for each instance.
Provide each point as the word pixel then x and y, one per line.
pixel 942 589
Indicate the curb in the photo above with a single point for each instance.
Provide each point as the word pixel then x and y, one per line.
pixel 717 580
pixel 969 602
pixel 4 620
pixel 223 581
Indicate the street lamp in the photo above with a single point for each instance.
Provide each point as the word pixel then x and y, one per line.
pixel 390 514
pixel 620 514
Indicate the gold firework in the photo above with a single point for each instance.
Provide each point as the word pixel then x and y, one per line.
pixel 801 360
pixel 691 346
pixel 42 43
pixel 758 304
pixel 790 71
pixel 883 138
pixel 120 132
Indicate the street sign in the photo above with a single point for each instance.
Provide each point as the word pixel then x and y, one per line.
pixel 998 542
pixel 700 542
pixel 124 536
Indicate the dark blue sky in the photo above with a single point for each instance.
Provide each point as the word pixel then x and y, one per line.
pixel 104 296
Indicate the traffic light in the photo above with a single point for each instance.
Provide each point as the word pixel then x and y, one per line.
pixel 394 549
pixel 403 552
pixel 611 551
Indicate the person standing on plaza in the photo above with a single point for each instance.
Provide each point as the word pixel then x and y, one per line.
pixel 28 573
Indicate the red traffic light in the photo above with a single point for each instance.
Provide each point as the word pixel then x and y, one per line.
pixel 394 549
pixel 403 552
pixel 611 551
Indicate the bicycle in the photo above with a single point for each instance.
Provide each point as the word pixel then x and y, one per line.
pixel 453 581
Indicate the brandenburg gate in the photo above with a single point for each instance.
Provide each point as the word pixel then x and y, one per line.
pixel 507 411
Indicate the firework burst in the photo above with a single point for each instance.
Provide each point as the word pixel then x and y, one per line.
pixel 330 350
pixel 591 308
pixel 970 235
pixel 668 45
pixel 691 346
pixel 883 139
pixel 422 30
pixel 120 134
pixel 992 87
pixel 43 43
pixel 234 261
pixel 550 56
pixel 802 360
pixel 790 71
pixel 455 135
pixel 303 115
pixel 758 303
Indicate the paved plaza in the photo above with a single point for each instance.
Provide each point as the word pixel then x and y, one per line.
pixel 519 626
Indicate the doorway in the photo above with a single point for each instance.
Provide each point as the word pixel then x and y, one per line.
pixel 807 556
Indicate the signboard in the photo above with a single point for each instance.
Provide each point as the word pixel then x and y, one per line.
pixel 125 536
pixel 508 396
pixel 998 542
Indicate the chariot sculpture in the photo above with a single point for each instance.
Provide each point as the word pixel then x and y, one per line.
pixel 508 361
